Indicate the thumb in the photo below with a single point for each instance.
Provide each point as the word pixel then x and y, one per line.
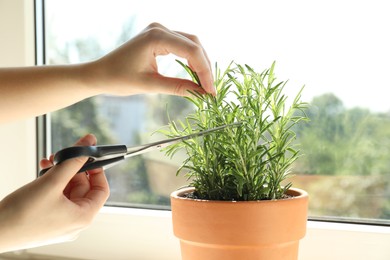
pixel 64 172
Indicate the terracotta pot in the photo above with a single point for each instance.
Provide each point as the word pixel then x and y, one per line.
pixel 211 230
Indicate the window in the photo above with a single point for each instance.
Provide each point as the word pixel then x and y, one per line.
pixel 128 233
pixel 337 49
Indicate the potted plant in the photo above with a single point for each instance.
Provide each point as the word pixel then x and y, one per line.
pixel 236 206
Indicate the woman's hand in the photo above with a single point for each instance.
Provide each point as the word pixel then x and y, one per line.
pixel 129 69
pixel 54 207
pixel 132 68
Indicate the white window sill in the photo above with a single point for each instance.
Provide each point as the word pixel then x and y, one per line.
pixel 125 233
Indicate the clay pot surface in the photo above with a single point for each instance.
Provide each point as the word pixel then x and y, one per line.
pixel 269 229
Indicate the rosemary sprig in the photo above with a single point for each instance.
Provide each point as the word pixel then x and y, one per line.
pixel 248 162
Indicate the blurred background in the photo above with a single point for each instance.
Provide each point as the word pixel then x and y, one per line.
pixel 337 49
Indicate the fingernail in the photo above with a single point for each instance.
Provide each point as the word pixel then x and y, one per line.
pixel 214 92
pixel 86 140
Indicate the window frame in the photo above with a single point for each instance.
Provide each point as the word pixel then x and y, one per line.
pixel 123 233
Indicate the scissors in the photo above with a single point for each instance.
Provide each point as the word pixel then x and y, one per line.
pixel 109 155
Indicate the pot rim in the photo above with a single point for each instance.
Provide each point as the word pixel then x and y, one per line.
pixel 296 194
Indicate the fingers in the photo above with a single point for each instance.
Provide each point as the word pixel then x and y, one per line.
pixel 88 139
pixel 185 46
pixel 99 190
pixel 62 173
pixel 92 185
pixel 195 39
pixel 77 187
pixel 175 86
pixel 45 163
pixel 201 74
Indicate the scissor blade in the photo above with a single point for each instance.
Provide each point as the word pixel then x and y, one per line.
pixel 136 150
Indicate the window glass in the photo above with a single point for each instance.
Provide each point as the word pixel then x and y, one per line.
pixel 337 49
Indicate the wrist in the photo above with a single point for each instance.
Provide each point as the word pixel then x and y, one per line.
pixel 92 77
pixel 7 222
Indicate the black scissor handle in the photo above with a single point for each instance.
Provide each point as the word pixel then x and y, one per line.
pixel 90 165
pixel 93 152
pixel 99 151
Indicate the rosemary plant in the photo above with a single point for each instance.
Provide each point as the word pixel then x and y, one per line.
pixel 248 161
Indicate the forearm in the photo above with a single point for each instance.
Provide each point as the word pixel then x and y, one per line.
pixel 32 91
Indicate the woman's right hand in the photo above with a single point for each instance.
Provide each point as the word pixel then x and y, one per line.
pixel 132 68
